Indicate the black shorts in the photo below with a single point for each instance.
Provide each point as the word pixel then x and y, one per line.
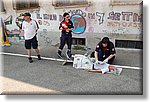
pixel 31 42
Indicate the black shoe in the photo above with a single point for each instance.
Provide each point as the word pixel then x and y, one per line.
pixel 39 57
pixel 59 54
pixel 68 54
pixel 30 60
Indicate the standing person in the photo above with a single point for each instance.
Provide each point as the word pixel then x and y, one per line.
pixel 66 36
pixel 105 51
pixel 30 28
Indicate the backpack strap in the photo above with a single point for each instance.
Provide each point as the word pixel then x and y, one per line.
pixel 36 24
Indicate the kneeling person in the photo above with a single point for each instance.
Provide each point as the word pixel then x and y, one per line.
pixel 105 51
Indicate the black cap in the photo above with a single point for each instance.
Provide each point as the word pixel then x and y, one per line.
pixel 26 14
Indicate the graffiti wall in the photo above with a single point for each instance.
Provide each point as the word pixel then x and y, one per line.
pixel 13 28
pixel 124 22
pixel 92 19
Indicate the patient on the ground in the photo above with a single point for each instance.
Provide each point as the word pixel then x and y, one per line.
pixel 105 68
pixel 89 64
pixel 102 68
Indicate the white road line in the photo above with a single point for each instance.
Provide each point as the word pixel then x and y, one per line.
pixel 62 60
pixel 21 55
pixel 127 67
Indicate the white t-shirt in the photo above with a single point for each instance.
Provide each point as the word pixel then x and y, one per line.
pixel 103 67
pixel 29 29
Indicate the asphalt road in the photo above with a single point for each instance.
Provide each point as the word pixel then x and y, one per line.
pixel 52 75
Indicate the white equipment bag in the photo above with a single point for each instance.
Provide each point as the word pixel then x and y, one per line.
pixel 82 62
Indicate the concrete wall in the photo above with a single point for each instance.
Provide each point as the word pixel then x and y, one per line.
pixel 93 22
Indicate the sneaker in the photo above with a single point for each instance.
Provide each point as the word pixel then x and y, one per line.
pixel 59 54
pixel 30 60
pixel 68 54
pixel 39 57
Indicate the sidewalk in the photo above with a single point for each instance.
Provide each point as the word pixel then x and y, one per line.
pixel 45 51
pixel 11 86
pixel 123 58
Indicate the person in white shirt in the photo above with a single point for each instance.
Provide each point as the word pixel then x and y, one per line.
pixel 30 28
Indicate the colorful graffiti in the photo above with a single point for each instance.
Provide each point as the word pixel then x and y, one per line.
pixel 12 35
pixel 44 19
pixel 8 20
pixel 84 21
pixel 47 16
pixel 91 15
pixel 77 12
pixel 127 21
pixel 101 17
pixel 15 35
pixel 19 21
pixel 124 24
pixel 125 16
pixel 50 17
pixel 78 19
pixel 116 31
pixel 45 23
pixel 81 19
pixel 79 24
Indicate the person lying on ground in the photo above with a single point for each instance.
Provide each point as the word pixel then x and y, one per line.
pixel 104 68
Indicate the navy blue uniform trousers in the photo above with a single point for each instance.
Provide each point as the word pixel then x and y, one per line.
pixel 65 38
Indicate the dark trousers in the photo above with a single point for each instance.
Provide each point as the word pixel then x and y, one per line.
pixel 65 38
pixel 102 56
pixel 31 43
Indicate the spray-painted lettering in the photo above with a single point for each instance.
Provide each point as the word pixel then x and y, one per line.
pixel 101 17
